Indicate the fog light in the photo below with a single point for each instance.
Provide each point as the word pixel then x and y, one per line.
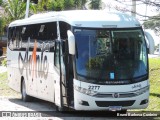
pixel 85 103
pixel 144 102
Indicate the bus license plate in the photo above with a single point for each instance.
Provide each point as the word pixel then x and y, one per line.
pixel 115 108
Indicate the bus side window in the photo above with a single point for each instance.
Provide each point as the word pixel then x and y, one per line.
pixel 52 34
pixel 14 38
pixel 57 55
pixel 63 29
pixel 10 34
pixel 18 38
pixel 47 34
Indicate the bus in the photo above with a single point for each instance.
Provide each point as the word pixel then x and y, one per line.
pixel 80 60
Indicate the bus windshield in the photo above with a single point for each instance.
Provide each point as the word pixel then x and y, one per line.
pixel 116 56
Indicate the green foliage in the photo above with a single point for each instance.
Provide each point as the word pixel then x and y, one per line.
pixel 55 5
pixel 95 4
pixel 94 63
pixel 79 4
pixel 2 26
pixel 15 9
pixel 154 69
pixel 4 62
pixel 1 2
pixel 153 23
pixel 68 4
pixel 5 90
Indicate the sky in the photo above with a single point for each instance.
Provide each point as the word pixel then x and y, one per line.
pixel 140 8
pixel 127 4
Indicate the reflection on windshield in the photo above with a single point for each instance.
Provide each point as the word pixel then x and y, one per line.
pixel 104 55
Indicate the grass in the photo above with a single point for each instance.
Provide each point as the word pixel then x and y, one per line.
pixel 154 73
pixel 5 90
pixel 154 100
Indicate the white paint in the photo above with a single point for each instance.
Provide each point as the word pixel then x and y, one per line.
pixel 85 18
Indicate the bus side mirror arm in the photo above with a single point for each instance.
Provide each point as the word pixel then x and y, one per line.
pixel 71 42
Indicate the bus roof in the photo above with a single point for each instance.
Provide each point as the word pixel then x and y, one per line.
pixel 83 18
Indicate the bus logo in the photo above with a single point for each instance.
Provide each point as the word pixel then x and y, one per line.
pixel 35 65
pixel 115 95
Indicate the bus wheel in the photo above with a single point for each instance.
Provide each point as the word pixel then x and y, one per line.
pixel 123 111
pixel 25 97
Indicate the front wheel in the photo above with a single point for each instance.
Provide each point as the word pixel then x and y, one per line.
pixel 123 111
pixel 61 109
pixel 25 97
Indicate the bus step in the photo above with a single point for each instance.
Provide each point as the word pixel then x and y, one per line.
pixel 64 96
pixel 71 106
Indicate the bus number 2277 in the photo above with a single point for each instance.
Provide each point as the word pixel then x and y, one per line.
pixel 90 87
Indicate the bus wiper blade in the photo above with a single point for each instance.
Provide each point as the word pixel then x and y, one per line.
pixel 140 78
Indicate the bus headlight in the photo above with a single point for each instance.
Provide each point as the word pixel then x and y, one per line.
pixel 141 91
pixel 85 91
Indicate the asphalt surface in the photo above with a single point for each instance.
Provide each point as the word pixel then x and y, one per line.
pixel 39 109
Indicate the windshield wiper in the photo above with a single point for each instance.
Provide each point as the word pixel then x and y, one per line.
pixel 140 78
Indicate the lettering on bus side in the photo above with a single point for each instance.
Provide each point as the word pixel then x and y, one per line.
pixel 136 86
pixel 35 65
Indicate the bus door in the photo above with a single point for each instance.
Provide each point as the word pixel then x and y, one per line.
pixel 60 81
pixel 57 74
pixel 67 72
pixel 63 75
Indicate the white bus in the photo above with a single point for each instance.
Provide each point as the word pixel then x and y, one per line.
pixel 80 59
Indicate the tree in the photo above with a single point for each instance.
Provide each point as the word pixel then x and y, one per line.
pixel 2 26
pixel 153 23
pixel 95 4
pixel 55 5
pixel 79 4
pixel 1 1
pixel 15 9
pixel 68 4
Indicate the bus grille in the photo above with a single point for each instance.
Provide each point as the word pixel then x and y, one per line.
pixel 110 95
pixel 115 103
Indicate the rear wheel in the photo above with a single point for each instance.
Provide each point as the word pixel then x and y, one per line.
pixel 25 97
pixel 1 52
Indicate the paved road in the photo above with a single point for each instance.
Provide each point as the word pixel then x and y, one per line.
pixel 16 107
pixel 16 104
pixel 3 69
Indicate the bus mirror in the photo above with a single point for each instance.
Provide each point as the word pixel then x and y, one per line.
pixel 71 42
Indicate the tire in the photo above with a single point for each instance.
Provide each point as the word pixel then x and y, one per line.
pixel 60 109
pixel 25 97
pixel 123 111
pixel 1 52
